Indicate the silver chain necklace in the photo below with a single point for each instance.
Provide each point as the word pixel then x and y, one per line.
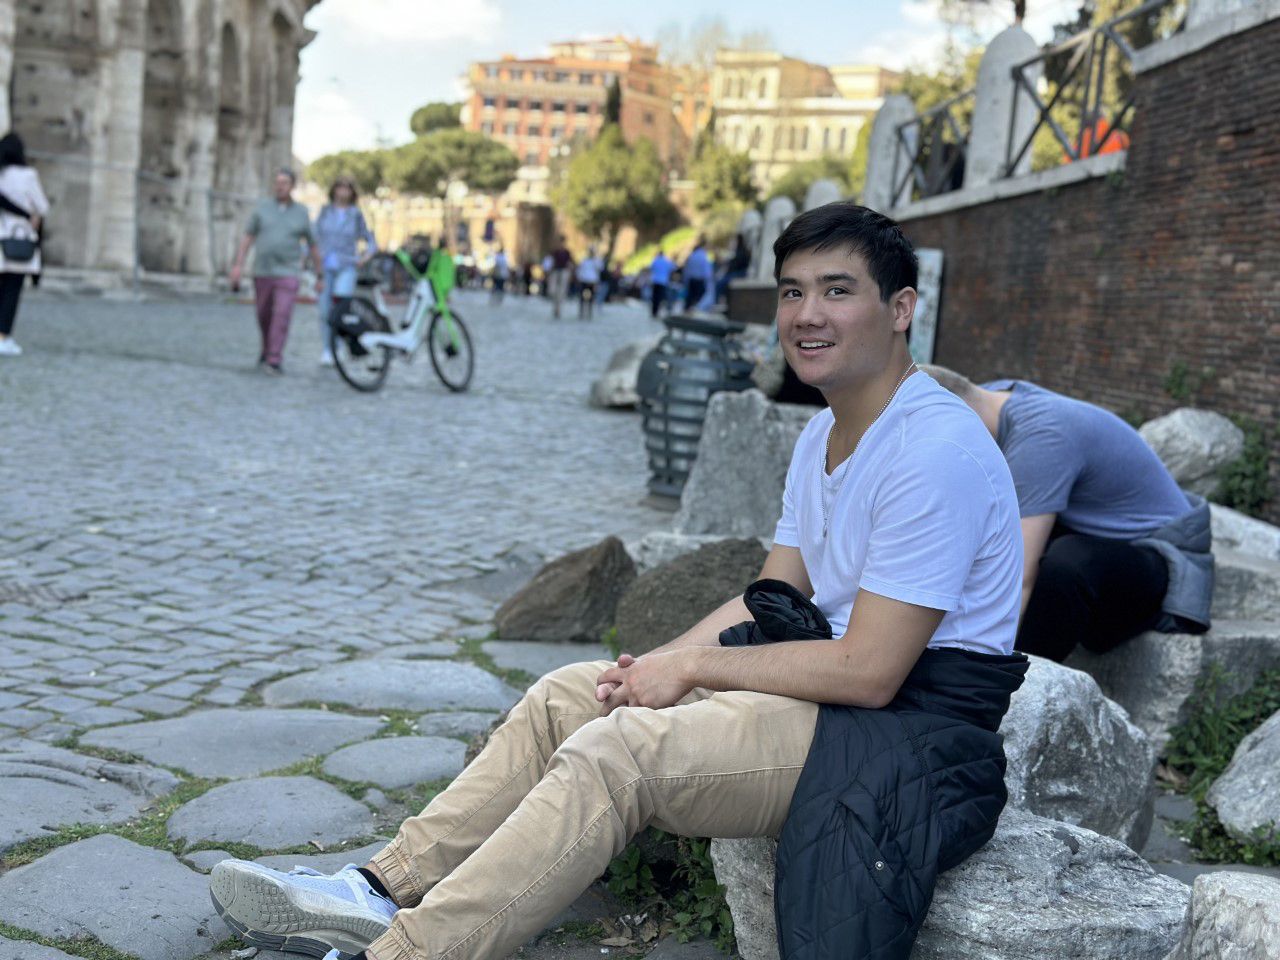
pixel 826 453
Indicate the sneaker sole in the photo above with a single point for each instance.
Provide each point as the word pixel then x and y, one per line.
pixel 266 914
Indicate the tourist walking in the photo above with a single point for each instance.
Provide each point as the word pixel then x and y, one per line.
pixel 558 280
pixel 589 273
pixel 22 209
pixel 501 274
pixel 339 228
pixel 699 278
pixel 660 271
pixel 279 228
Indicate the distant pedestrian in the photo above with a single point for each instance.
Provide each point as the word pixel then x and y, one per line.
pixel 561 271
pixel 22 209
pixel 280 228
pixel 339 228
pixel 526 278
pixel 501 274
pixel 739 263
pixel 660 271
pixel 699 277
pixel 589 274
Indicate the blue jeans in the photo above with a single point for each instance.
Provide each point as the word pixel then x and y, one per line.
pixel 337 283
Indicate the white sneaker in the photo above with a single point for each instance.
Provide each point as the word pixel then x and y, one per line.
pixel 301 911
pixel 326 358
pixel 9 348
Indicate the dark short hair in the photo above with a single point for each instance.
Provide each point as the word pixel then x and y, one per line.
pixel 287 172
pixel 12 152
pixel 891 261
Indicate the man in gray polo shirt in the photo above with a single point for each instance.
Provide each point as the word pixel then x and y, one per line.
pixel 279 227
pixel 1111 545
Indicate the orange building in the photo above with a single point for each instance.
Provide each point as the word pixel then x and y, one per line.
pixel 534 105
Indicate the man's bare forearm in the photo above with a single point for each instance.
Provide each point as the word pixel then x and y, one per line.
pixel 706 632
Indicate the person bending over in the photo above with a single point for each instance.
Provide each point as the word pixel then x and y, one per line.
pixel 848 701
pixel 1111 546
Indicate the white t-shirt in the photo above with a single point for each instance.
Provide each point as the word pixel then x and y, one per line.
pixel 927 514
pixel 589 270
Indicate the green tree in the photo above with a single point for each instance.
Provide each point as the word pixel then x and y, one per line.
pixel 795 182
pixel 721 177
pixel 858 160
pixel 365 167
pixel 612 184
pixel 435 116
pixel 613 103
pixel 429 164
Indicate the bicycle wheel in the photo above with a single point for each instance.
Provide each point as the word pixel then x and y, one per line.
pixel 450 347
pixel 366 370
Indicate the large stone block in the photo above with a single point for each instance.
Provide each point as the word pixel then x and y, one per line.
pixel 1154 675
pixel 1040 888
pixel 1194 445
pixel 616 388
pixel 1075 756
pixel 667 601
pixel 43 788
pixel 735 487
pixel 1247 795
pixel 660 547
pixel 1233 530
pixel 1246 587
pixel 395 685
pixel 1232 916
pixel 573 598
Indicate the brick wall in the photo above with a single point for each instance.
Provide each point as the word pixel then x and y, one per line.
pixel 1099 288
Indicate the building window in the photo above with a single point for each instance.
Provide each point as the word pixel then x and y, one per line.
pixel 777 137
pixel 584 108
pixel 490 102
pixel 539 76
pixel 531 158
pixel 558 106
pixel 535 104
pixel 648 117
pixel 843 131
pixel 804 138
pixel 533 131
pixel 557 133
pixel 737 138
pixel 517 74
pixel 826 139
pixel 757 135
pixel 764 88
pixel 562 76
pixel 726 88
pixel 491 73
pixel 487 128
pixel 586 78
pixel 509 129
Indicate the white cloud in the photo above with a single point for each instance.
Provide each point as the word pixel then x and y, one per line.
pixel 419 22
pixel 326 121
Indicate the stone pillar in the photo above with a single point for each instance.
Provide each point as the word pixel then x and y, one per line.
pixel 197 252
pixel 778 212
pixel 883 151
pixel 822 192
pixel 116 178
pixel 1202 11
pixel 992 140
pixel 6 60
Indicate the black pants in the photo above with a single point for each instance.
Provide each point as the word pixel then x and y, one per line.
pixel 10 290
pixel 693 293
pixel 657 298
pixel 1092 591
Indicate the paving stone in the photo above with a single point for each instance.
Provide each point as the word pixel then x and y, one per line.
pixel 153 703
pixel 43 788
pixel 537 658
pixel 416 651
pixel 138 900
pixel 395 684
pixel 23 950
pixel 271 812
pixel 463 723
pixel 325 862
pixel 395 762
pixel 101 716
pixel 204 860
pixel 24 718
pixel 236 743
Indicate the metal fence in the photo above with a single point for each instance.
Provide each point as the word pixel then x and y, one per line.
pixel 932 149
pixel 1090 107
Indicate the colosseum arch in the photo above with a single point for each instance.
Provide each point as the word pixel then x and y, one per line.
pixel 229 172
pixel 283 83
pixel 162 190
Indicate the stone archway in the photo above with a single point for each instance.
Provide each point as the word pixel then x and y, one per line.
pixel 161 182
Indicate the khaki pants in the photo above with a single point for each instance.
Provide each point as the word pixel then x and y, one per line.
pixel 559 791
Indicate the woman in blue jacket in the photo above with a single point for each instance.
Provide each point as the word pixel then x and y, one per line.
pixel 339 228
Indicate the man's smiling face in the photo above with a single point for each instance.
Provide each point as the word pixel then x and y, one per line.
pixel 834 329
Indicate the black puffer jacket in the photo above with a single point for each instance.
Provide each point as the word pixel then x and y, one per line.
pixel 888 798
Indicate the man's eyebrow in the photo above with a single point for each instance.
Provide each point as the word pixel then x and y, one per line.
pixel 848 278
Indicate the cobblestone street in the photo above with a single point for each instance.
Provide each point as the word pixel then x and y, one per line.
pixel 180 532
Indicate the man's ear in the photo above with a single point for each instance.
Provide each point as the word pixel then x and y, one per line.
pixel 903 304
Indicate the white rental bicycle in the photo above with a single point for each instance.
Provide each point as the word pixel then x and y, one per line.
pixel 363 340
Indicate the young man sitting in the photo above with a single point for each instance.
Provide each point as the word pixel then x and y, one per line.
pixel 1111 545
pixel 872 749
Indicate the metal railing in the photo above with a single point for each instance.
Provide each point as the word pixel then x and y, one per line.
pixel 1091 78
pixel 935 145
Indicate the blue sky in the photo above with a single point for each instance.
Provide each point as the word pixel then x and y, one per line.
pixel 374 61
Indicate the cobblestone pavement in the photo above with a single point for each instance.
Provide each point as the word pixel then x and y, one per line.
pixel 178 531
